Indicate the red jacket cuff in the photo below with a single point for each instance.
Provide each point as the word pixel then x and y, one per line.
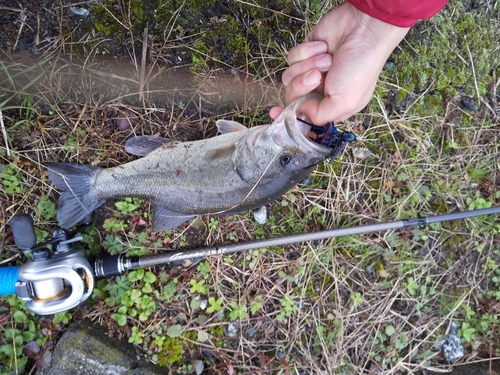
pixel 401 13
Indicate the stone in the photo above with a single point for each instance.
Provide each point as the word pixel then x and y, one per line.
pixel 85 349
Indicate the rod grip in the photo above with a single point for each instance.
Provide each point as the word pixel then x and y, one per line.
pixel 8 279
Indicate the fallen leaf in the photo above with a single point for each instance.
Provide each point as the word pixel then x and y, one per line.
pixel 31 349
pixel 44 360
pixel 383 273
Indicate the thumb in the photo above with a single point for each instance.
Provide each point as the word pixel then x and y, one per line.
pixel 319 112
pixel 275 111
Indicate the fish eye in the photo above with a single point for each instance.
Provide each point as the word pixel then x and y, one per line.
pixel 285 159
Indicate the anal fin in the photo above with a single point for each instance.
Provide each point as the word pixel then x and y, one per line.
pixel 165 219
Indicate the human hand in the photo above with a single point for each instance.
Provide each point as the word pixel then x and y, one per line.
pixel 341 58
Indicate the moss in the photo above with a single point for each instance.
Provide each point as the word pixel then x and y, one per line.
pixel 219 31
pixel 172 351
pixel 439 206
pixel 437 60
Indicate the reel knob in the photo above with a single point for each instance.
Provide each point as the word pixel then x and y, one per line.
pixel 24 231
pixel 40 254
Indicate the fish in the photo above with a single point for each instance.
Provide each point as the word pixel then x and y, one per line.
pixel 240 169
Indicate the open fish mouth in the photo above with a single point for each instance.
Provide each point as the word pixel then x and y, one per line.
pixel 292 131
pixel 300 133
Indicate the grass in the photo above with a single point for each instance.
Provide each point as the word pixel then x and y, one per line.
pixel 375 303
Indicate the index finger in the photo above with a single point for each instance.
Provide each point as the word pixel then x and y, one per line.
pixel 305 51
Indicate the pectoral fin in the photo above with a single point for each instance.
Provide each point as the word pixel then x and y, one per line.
pixel 228 126
pixel 165 219
pixel 221 151
pixel 144 144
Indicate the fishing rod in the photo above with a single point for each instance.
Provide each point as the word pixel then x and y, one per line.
pixel 57 281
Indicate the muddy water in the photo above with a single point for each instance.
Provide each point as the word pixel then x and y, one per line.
pixel 121 82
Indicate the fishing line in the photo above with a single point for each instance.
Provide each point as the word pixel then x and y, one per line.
pixel 243 200
pixel 239 203
pixel 251 190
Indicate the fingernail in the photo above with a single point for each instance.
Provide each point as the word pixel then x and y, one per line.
pixel 310 79
pixel 324 62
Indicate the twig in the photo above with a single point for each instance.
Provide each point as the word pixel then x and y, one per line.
pixel 2 245
pixel 3 227
pixel 474 75
pixel 23 22
pixel 4 133
pixel 143 63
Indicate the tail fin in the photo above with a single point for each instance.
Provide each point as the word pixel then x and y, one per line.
pixel 78 198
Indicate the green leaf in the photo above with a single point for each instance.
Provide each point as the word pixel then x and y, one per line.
pixel 28 336
pixel 120 319
pixel 122 310
pixel 149 277
pixel 195 303
pixel 390 330
pixel 20 317
pixel 135 293
pixel 135 275
pixel 143 316
pixel 201 319
pixel 174 331
pixel 198 287
pixel 202 336
pixel 147 288
pixel 113 225
pixel 215 304
pixel 7 349
pixel 169 289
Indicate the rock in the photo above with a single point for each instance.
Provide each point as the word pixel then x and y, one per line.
pixel 199 367
pixel 361 153
pixel 451 346
pixel 85 349
pixel 231 329
pixel 466 103
pixel 260 215
pixel 251 332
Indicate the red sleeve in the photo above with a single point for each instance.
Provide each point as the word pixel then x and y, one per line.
pixel 402 13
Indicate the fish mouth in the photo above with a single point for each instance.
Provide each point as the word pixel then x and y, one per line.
pixel 290 132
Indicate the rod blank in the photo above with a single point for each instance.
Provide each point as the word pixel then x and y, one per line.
pixel 153 260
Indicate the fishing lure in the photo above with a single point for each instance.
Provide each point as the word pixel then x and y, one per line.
pixel 329 136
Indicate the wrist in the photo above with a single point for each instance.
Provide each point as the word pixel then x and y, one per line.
pixel 381 36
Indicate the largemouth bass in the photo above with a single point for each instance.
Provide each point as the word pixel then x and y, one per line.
pixel 239 170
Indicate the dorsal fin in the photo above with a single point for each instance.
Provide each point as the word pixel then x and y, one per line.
pixel 228 126
pixel 144 144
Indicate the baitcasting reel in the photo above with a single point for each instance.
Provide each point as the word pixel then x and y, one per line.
pixel 52 281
